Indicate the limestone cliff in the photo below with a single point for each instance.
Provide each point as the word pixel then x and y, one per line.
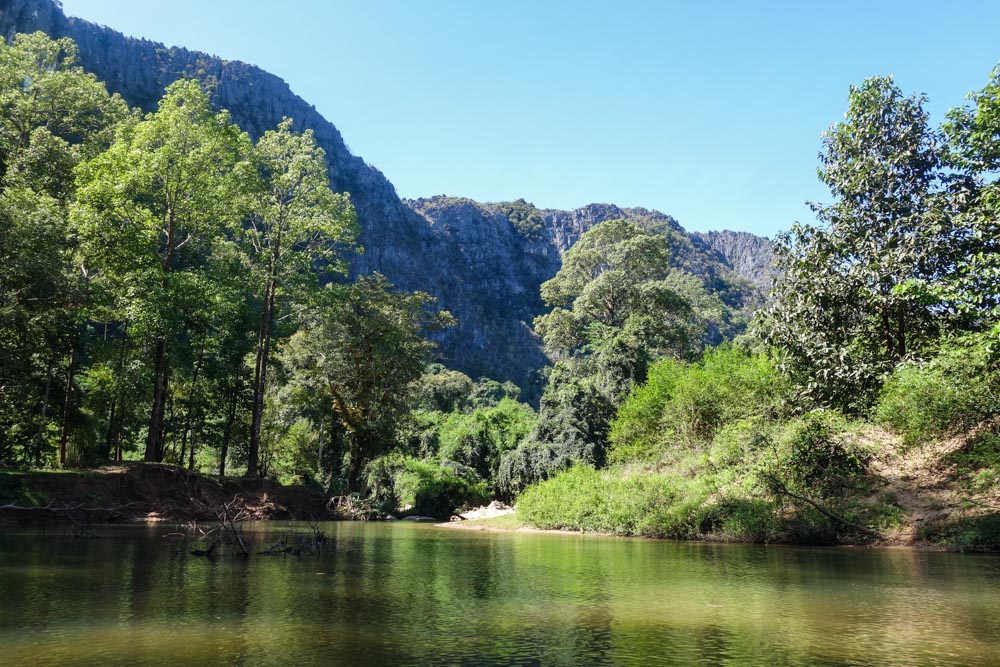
pixel 484 262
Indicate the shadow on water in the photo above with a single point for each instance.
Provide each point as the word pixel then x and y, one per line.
pixel 407 594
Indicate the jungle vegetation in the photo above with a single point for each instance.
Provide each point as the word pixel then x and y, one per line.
pixel 172 291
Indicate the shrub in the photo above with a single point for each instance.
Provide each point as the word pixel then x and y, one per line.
pixel 479 439
pixel 819 458
pixel 617 502
pixel 684 405
pixel 740 519
pixel 950 393
pixel 529 463
pixel 426 487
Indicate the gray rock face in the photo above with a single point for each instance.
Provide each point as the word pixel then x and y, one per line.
pixel 748 254
pixel 483 267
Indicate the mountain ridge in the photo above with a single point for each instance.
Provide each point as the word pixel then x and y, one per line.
pixel 483 261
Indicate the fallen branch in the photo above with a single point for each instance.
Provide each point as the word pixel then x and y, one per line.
pixel 228 521
pixel 779 486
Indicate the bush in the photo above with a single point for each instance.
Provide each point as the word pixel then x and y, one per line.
pixel 684 405
pixel 425 487
pixel 478 440
pixel 616 502
pixel 741 519
pixel 818 457
pixel 977 462
pixel 967 534
pixel 950 393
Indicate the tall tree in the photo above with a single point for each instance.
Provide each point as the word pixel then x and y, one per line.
pixel 52 115
pixel 841 313
pixel 974 152
pixel 297 229
pixel 151 210
pixel 364 348
pixel 614 291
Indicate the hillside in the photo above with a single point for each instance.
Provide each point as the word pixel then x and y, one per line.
pixel 483 261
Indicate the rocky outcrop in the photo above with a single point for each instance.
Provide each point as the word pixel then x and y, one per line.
pixel 484 262
pixel 748 254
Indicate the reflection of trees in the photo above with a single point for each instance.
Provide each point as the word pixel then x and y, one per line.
pixel 397 594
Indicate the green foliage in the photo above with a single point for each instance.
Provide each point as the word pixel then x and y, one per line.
pixel 972 284
pixel 949 393
pixel 293 456
pixel 585 499
pixel 525 218
pixel 425 487
pixel 442 389
pixel 479 439
pixel 488 393
pixel 817 458
pixel 572 428
pixel 53 116
pixel 967 534
pixel 613 281
pixel 682 406
pixel 420 432
pixel 152 212
pixel 362 349
pixel 742 519
pixel 977 462
pixel 730 493
pixel 297 227
pixel 842 314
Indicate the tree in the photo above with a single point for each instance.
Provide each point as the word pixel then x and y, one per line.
pixel 478 440
pixel 364 347
pixel 614 294
pixel 297 228
pixel 974 153
pixel 52 116
pixel 616 307
pixel 841 313
pixel 152 210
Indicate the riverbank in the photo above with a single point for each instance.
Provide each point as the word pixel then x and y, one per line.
pixel 942 494
pixel 926 490
pixel 148 492
pixel 512 524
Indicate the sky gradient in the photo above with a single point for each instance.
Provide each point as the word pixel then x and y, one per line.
pixel 710 112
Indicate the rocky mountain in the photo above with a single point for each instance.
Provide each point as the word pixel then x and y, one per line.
pixel 484 262
pixel 747 254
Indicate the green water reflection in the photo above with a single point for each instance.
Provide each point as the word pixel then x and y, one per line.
pixel 390 594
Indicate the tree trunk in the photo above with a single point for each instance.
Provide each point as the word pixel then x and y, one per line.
pixel 117 404
pixel 319 438
pixel 260 378
pixel 154 438
pixel 227 432
pixel 191 451
pixel 901 331
pixel 44 415
pixel 109 436
pixel 353 473
pixel 887 333
pixel 67 406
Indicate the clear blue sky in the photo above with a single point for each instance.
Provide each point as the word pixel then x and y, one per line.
pixel 709 111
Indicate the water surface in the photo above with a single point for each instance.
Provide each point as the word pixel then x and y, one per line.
pixel 397 594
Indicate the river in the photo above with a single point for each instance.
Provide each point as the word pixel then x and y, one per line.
pixel 401 593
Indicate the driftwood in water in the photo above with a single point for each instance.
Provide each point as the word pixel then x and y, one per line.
pixel 230 514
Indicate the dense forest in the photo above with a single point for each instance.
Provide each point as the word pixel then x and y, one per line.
pixel 173 291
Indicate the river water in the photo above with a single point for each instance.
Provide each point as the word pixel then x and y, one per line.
pixel 399 594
